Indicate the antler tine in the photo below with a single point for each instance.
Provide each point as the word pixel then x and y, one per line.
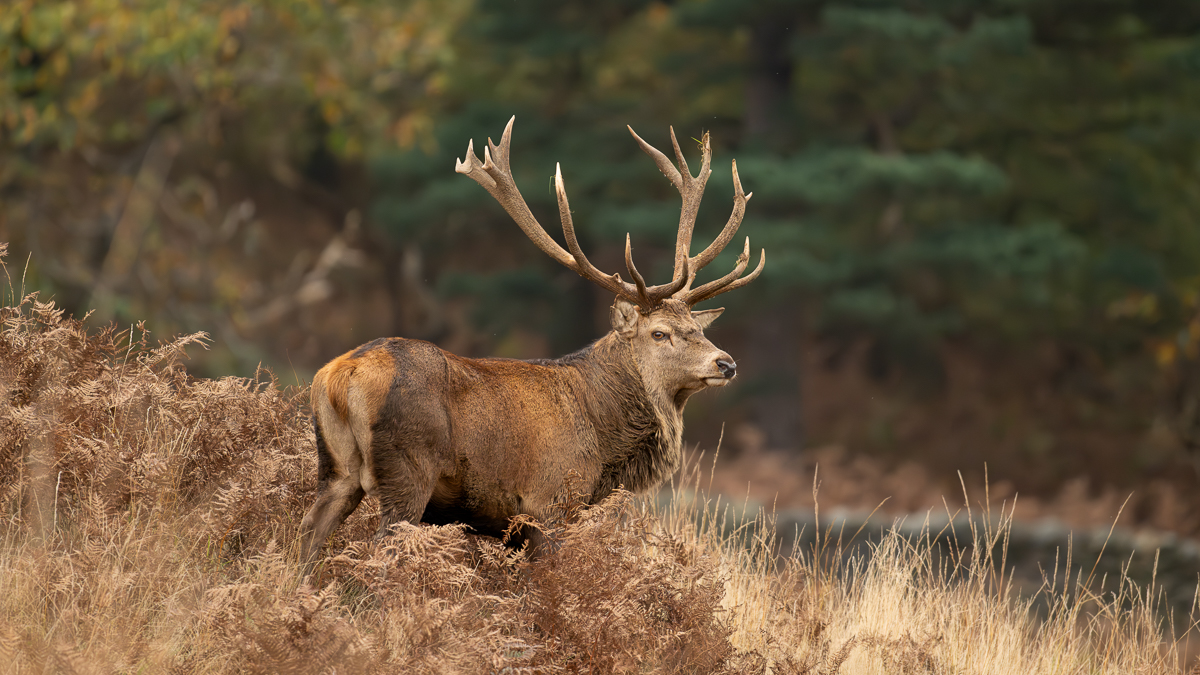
pixel 472 167
pixel 730 281
pixel 495 177
pixel 679 158
pixel 692 194
pixel 664 164
pixel 500 152
pixel 654 294
pixel 742 260
pixel 633 272
pixel 731 226
pixel 584 267
pixel 705 157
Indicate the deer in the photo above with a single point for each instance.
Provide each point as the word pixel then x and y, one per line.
pixel 438 438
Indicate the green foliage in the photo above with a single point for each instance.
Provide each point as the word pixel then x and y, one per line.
pixel 99 71
pixel 143 145
pixel 1003 169
pixel 844 175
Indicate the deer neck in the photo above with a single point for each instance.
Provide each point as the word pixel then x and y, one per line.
pixel 640 429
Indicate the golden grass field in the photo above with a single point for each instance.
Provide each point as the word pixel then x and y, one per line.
pixel 149 523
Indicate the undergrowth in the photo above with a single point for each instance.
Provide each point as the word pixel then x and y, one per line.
pixel 149 523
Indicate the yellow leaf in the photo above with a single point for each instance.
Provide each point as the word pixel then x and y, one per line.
pixel 331 111
pixel 1165 354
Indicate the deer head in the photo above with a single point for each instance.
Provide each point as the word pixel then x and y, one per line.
pixel 656 320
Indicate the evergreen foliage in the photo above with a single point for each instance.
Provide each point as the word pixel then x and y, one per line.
pixel 990 169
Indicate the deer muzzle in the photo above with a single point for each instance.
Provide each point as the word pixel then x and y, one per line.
pixel 728 368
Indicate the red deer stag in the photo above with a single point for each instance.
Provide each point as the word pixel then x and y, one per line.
pixel 440 438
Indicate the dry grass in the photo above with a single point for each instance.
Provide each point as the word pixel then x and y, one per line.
pixel 148 522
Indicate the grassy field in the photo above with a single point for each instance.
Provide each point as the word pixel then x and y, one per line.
pixel 149 523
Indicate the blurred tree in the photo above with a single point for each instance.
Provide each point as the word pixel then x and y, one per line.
pixel 925 143
pixel 1004 172
pixel 121 121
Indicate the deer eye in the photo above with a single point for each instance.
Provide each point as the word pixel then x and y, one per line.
pixel 659 335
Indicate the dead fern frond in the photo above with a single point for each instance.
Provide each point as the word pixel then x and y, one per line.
pixel 146 520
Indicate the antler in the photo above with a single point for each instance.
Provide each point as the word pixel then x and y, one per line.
pixel 691 189
pixel 495 176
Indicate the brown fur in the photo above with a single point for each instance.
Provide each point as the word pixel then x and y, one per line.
pixel 371 370
pixel 441 438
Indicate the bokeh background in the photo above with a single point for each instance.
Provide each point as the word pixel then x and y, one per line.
pixel 982 217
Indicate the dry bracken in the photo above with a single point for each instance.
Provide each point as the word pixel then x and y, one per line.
pixel 148 521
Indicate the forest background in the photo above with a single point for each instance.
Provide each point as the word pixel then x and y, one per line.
pixel 982 217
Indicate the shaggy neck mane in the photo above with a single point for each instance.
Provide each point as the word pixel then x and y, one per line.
pixel 639 432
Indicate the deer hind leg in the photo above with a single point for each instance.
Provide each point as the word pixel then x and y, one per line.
pixel 340 491
pixel 405 484
pixel 403 502
pixel 406 460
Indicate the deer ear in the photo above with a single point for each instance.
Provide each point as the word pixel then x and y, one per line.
pixel 707 316
pixel 624 316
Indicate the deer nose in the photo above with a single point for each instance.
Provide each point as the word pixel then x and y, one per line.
pixel 727 368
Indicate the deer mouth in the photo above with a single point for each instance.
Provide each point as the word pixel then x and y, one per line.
pixel 717 381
